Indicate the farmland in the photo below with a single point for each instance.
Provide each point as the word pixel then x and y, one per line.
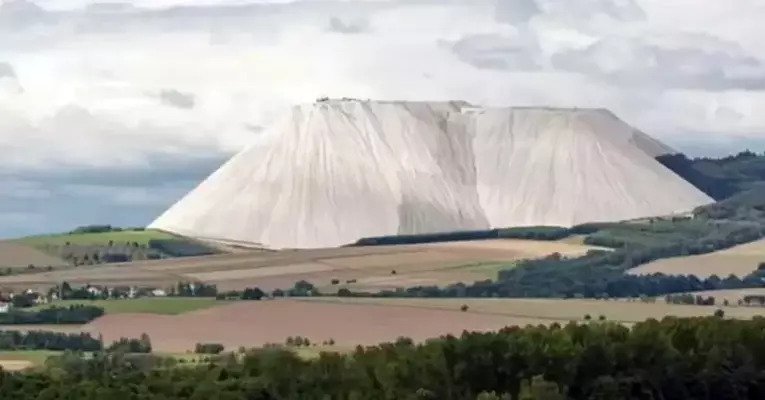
pixel 350 322
pixel 18 255
pixel 364 268
pixel 740 260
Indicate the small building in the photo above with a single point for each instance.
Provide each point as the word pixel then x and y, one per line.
pixel 39 298
pixel 158 293
pixel 4 307
pixel 95 291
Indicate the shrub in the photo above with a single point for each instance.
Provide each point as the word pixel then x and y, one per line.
pixel 125 345
pixel 208 348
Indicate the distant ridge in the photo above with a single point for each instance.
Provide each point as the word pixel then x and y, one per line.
pixel 332 172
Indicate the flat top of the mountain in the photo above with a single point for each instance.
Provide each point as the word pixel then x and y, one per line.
pixel 463 105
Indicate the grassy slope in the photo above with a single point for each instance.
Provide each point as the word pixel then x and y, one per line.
pixel 141 237
pixel 148 305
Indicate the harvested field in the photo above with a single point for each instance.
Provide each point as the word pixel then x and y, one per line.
pixel 739 260
pixel 22 359
pixel 351 322
pixel 15 365
pixel 146 305
pixel 370 267
pixel 17 255
pixel 554 310
pixel 254 324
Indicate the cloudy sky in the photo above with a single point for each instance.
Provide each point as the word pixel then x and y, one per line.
pixel 111 111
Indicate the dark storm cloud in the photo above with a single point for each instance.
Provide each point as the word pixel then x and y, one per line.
pixel 711 144
pixel 51 200
pixel 20 13
pixel 490 51
pixel 516 11
pixel 160 170
pixel 7 71
pixel 177 99
pixel 337 25
pixel 625 61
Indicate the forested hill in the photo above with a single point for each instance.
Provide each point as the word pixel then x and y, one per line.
pixel 719 178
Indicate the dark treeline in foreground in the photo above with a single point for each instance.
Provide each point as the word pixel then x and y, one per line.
pixel 704 358
pixel 73 342
pixel 43 340
pixel 74 314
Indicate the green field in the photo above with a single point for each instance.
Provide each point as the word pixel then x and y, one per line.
pixel 103 238
pixel 146 305
pixel 313 352
pixel 34 357
pixel 489 269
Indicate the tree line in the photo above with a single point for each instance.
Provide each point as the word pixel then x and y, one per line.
pixel 699 358
pixel 74 314
pixel 719 178
pixel 43 340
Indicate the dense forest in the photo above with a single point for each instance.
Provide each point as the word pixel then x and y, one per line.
pixel 719 178
pixel 702 358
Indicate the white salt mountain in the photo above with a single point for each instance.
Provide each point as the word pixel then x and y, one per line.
pixel 336 171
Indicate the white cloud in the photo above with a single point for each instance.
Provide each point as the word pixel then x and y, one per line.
pixel 239 63
pixel 82 85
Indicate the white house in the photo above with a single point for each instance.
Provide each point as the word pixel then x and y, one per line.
pixel 158 293
pixel 4 307
pixel 94 291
